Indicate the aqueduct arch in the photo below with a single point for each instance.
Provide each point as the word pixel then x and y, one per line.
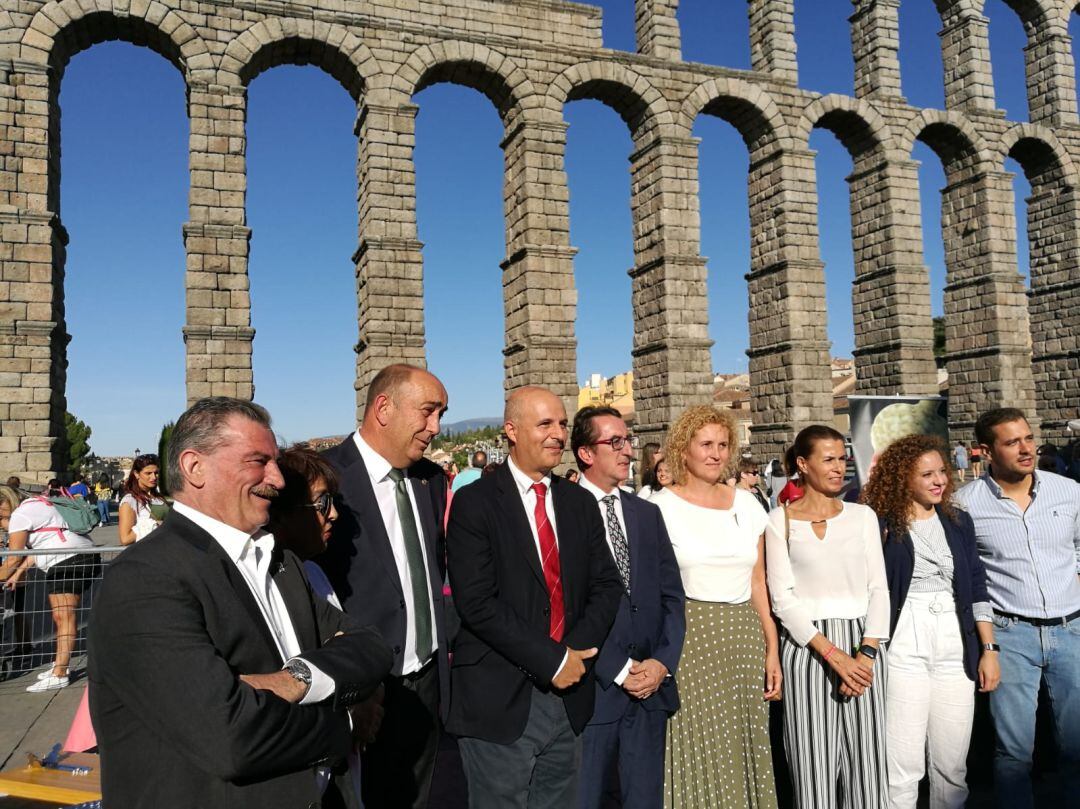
pixel 530 57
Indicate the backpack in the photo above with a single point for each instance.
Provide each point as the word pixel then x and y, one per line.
pixel 80 516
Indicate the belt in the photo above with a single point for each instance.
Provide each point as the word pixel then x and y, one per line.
pixel 1040 621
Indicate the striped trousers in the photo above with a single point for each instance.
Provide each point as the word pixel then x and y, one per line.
pixel 835 746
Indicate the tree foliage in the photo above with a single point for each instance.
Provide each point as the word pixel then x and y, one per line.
pixel 77 434
pixel 163 453
pixel 939 337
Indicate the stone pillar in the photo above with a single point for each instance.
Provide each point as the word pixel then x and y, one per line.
pixel 894 345
pixel 33 337
pixel 672 361
pixel 772 39
pixel 217 333
pixel 875 41
pixel 538 274
pixel 1051 78
pixel 988 339
pixel 789 345
pixel 965 55
pixel 656 29
pixel 1054 308
pixel 389 262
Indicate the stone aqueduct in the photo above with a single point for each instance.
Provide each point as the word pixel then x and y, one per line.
pixel 529 57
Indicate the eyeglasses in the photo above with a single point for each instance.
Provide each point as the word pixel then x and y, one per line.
pixel 617 442
pixel 323 503
pixel 753 472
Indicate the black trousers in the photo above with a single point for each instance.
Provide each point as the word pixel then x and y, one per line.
pixel 395 771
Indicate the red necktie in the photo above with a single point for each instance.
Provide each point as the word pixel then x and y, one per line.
pixel 549 561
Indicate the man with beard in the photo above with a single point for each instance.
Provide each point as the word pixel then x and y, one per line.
pixel 537 590
pixel 217 679
pixel 385 561
pixel 1027 526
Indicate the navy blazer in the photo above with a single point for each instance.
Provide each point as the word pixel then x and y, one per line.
pixel 651 621
pixel 969 578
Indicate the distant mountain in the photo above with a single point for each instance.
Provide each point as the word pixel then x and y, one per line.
pixel 466 425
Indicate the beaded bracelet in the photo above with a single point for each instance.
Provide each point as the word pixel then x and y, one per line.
pixel 825 657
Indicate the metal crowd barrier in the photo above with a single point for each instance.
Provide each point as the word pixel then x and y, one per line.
pixel 28 631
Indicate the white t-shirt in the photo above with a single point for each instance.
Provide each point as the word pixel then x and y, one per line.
pixel 47 530
pixel 840 576
pixel 716 548
pixel 144 521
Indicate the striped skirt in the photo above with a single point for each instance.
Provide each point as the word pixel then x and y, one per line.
pixel 717 754
pixel 835 746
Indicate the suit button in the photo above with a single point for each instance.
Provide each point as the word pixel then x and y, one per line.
pixel 402 603
pixel 631 647
pixel 397 650
pixel 633 609
pixel 547 610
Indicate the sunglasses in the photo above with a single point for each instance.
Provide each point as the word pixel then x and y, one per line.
pixel 323 503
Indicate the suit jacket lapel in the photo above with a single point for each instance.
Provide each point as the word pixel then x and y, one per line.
pixel 196 536
pixel 562 529
pixel 360 495
pixel 289 579
pixel 514 512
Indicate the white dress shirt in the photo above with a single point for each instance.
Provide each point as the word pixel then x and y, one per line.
pixel 525 485
pixel 600 494
pixel 251 555
pixel 379 471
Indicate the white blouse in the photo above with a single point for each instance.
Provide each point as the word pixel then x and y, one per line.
pixel 840 576
pixel 716 548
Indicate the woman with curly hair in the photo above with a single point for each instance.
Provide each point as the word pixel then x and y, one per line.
pixel 827 580
pixel 140 493
pixel 717 753
pixel 942 631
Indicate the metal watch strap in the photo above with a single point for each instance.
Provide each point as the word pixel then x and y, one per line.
pixel 991 647
pixel 300 672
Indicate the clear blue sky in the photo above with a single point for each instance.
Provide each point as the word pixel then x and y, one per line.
pixel 124 199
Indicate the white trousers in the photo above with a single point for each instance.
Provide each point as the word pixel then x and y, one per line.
pixel 930 704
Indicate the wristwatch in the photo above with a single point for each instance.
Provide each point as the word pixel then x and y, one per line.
pixel 991 647
pixel 300 672
pixel 868 650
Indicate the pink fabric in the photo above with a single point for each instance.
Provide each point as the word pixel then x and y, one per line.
pixel 81 736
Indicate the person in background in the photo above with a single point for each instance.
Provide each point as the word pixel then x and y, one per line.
pixel 749 479
pixel 37 525
pixel 53 488
pixel 1027 526
pixel 476 465
pixel 718 753
pixel 572 475
pixel 140 493
pixel 103 494
pixel 635 685
pixel 975 454
pixel 14 482
pixel 647 464
pixel 942 631
pixel 827 579
pixel 960 459
pixel 655 479
pixel 78 487
pixel 9 501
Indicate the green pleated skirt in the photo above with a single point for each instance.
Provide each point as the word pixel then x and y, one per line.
pixel 718 754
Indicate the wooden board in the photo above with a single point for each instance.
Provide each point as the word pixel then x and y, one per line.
pixel 58 786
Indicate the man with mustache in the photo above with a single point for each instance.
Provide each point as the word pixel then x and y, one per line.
pixel 537 590
pixel 385 561
pixel 217 679
pixel 1027 526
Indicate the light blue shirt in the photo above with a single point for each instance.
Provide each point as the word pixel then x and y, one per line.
pixel 1032 557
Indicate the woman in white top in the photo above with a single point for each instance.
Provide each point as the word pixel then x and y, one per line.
pixel 718 753
pixel 655 479
pixel 37 525
pixel 140 493
pixel 828 587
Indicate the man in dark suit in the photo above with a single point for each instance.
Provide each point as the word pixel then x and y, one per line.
pixel 635 686
pixel 217 679
pixel 385 561
pixel 536 589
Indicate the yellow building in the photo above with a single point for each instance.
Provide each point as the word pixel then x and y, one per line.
pixel 616 391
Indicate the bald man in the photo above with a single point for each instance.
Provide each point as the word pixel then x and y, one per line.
pixel 537 590
pixel 385 563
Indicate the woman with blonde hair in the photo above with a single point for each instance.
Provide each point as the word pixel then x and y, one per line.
pixel 942 622
pixel 718 754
